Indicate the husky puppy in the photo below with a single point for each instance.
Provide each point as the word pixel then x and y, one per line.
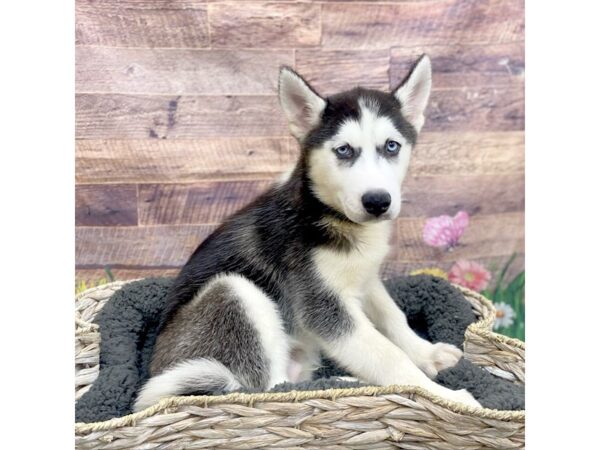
pixel 296 273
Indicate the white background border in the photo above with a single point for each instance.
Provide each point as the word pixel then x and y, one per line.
pixel 562 222
pixel 37 223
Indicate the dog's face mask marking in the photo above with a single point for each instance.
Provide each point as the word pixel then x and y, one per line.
pixel 357 144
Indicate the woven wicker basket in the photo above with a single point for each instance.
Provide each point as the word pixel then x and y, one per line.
pixel 359 418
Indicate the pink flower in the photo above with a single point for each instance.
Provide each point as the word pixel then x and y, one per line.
pixel 469 274
pixel 445 231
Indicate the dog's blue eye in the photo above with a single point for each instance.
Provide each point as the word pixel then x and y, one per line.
pixel 344 151
pixel 392 147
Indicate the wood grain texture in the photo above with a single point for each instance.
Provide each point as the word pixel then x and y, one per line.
pixel 253 2
pixel 426 196
pixel 463 65
pixel 264 24
pixel 118 116
pixel 165 246
pixel 374 25
pixel 178 71
pixel 332 71
pixel 206 203
pixel 147 23
pixel 476 109
pixel 163 160
pixel 106 205
pixel 487 235
pixel 474 153
pixel 147 247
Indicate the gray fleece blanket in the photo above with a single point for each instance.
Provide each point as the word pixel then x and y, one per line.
pixel 129 320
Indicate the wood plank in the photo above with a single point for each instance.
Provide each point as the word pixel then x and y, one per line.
pixel 476 109
pixel 206 203
pixel 463 65
pixel 477 194
pixel 375 25
pixel 162 160
pixel 211 202
pixel 106 205
pixel 263 24
pixel 118 116
pixel 178 71
pixel 169 246
pixel 486 236
pixel 254 1
pixel 148 23
pixel 332 71
pixel 140 247
pixel 475 153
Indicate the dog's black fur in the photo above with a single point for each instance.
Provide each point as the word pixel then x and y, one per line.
pixel 278 231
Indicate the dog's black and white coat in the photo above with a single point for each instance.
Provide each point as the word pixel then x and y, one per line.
pixel 296 273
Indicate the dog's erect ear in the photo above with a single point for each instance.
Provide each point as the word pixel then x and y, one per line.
pixel 301 104
pixel 413 92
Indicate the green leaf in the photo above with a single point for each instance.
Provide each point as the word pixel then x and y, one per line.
pixel 518 282
pixel 109 273
pixel 504 270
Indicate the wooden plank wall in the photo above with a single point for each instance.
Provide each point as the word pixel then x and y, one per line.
pixel 178 124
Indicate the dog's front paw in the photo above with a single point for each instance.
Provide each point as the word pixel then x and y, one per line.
pixel 437 357
pixel 463 396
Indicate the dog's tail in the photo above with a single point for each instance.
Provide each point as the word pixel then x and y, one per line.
pixel 187 377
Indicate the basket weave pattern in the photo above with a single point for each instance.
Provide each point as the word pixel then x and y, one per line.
pixel 358 418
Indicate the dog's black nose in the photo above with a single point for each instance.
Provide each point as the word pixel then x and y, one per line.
pixel 376 202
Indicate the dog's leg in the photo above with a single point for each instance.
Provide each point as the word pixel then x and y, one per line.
pixel 229 336
pixel 372 357
pixel 387 317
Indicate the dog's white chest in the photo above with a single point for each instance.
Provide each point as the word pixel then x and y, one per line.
pixel 349 272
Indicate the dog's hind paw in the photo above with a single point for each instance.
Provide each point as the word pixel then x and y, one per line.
pixel 438 357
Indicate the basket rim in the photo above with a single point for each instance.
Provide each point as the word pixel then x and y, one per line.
pixel 484 325
pixel 481 327
pixel 293 397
